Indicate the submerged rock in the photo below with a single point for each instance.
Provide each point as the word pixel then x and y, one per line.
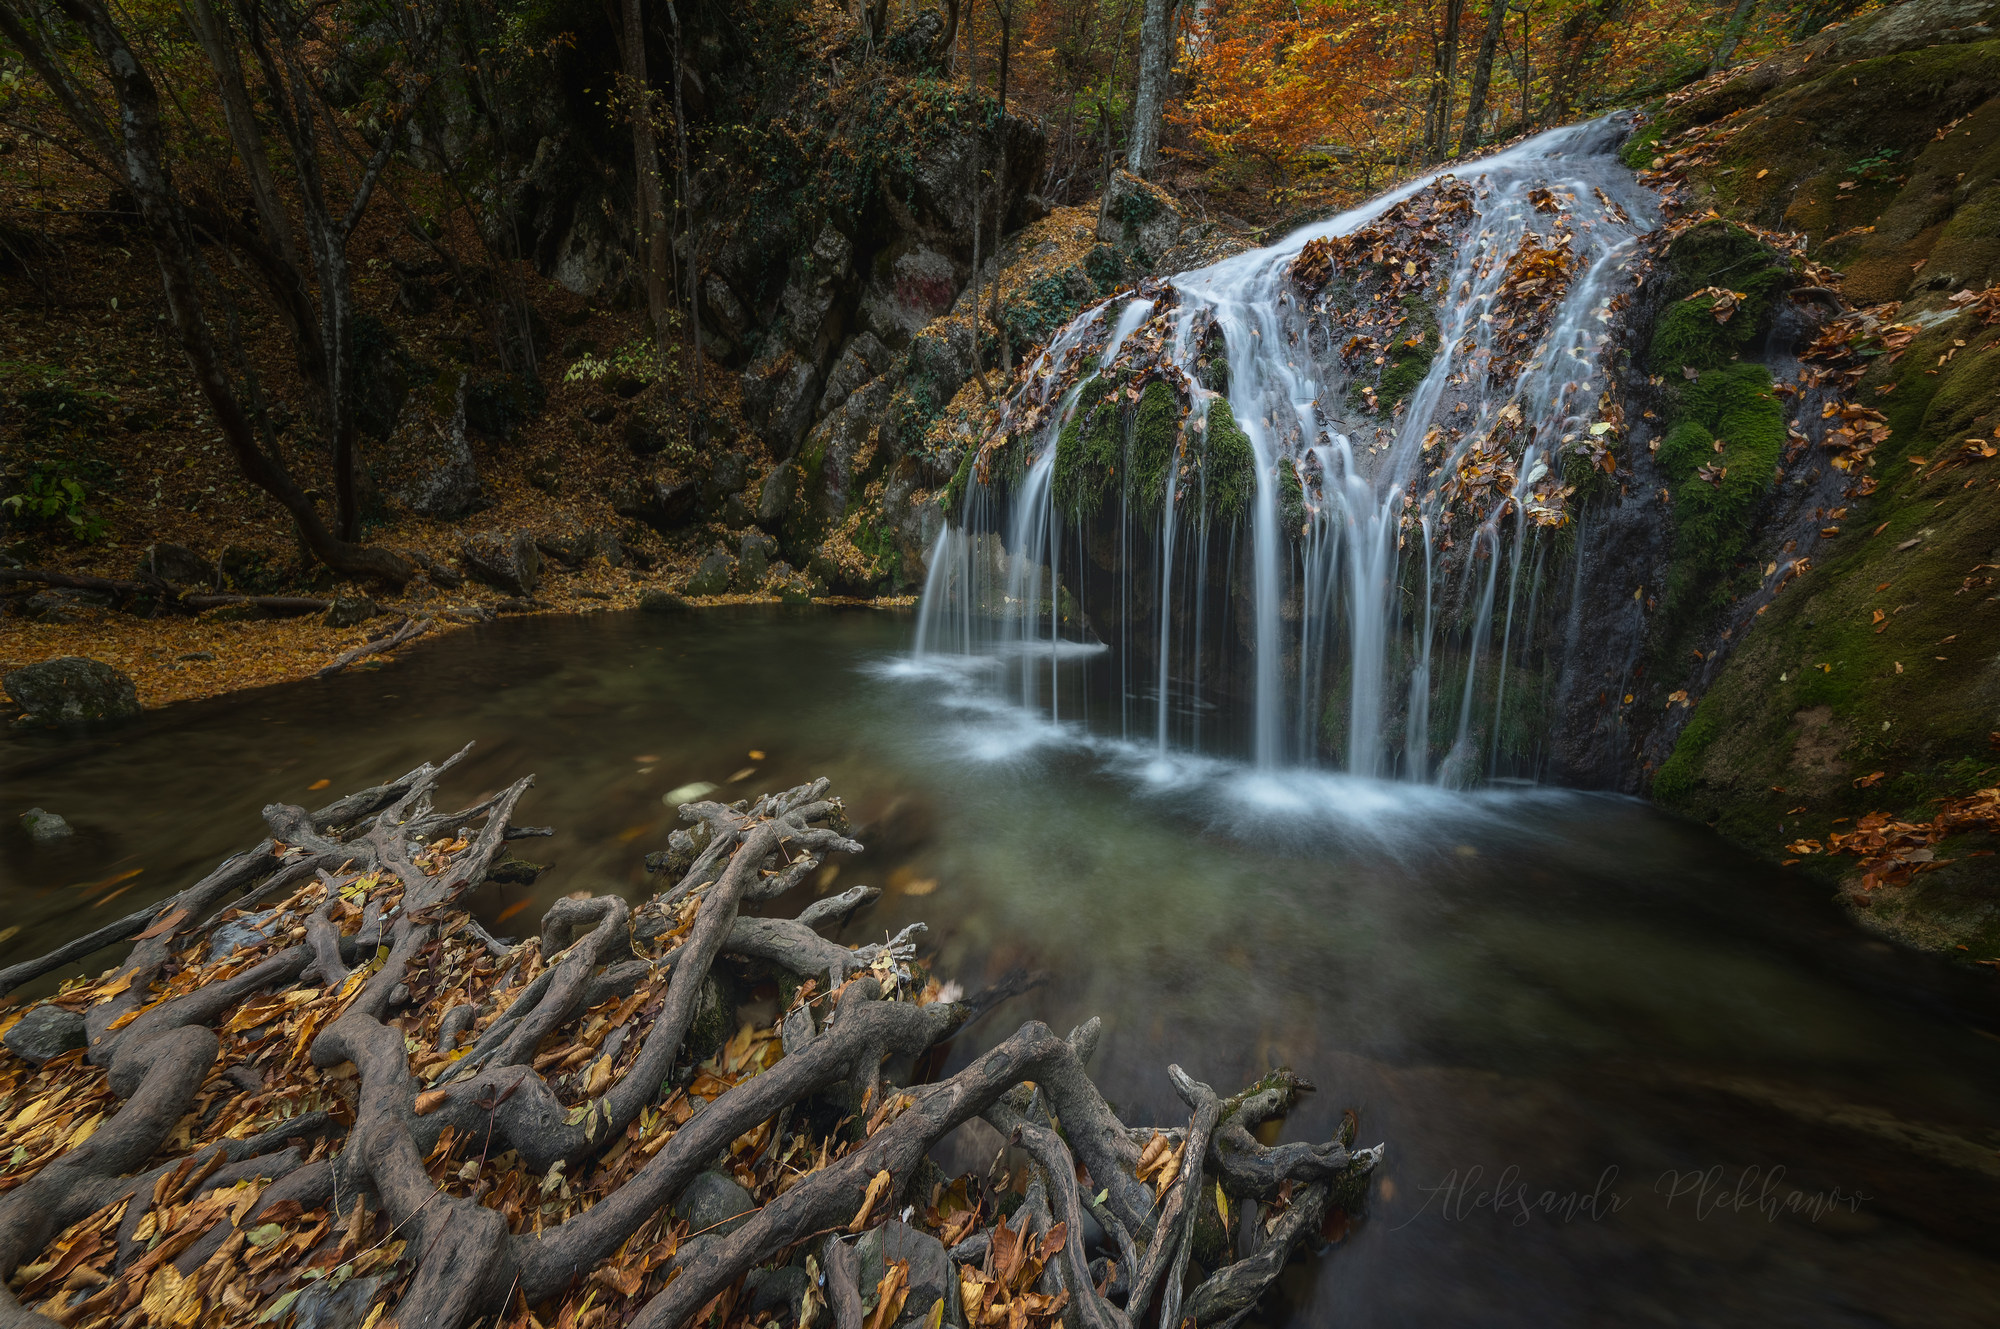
pixel 45 827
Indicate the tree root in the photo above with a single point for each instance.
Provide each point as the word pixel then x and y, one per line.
pixel 486 1127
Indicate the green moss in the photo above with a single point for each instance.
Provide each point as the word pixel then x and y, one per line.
pixel 1291 499
pixel 1679 773
pixel 1155 432
pixel 1088 451
pixel 1407 364
pixel 954 491
pixel 1712 518
pixel 1640 149
pixel 1715 254
pixel 1229 466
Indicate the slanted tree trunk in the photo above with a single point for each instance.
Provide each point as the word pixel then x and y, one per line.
pixel 1482 75
pixel 1732 34
pixel 1156 58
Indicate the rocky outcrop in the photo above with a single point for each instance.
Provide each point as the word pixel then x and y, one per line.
pixel 1838 662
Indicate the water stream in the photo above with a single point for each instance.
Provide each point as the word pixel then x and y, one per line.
pixel 1552 983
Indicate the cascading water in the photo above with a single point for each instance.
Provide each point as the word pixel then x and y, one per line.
pixel 1278 490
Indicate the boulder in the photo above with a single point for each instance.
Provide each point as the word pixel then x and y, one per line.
pixel 910 284
pixel 45 827
pixel 653 600
pixel 753 560
pixel 931 1276
pixel 506 563
pixel 726 475
pixel 779 393
pixel 72 690
pixel 664 507
pixel 863 358
pixel 349 611
pixel 177 565
pixel 249 930
pixel 61 605
pixel 1140 217
pixel 44 1033
pixel 776 497
pixel 713 575
pixel 812 293
pixel 713 1205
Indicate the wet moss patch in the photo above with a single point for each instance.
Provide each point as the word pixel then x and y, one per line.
pixel 1229 466
pixel 1088 451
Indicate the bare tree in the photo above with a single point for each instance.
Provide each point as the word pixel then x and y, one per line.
pixel 116 107
pixel 1732 33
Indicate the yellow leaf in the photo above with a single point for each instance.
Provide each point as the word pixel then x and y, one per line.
pixel 171 1299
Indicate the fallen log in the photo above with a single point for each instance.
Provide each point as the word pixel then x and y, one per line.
pixel 160 593
pixel 339 1080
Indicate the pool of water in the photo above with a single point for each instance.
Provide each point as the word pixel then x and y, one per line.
pixel 1624 1074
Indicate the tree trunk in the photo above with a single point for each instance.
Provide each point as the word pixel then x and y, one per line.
pixel 1156 58
pixel 649 213
pixel 687 204
pixel 1482 75
pixel 978 135
pixel 1732 33
pixel 1573 47
pixel 1437 120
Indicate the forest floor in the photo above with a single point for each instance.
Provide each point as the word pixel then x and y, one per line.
pixel 92 385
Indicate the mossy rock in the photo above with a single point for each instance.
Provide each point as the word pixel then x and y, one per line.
pixel 1156 429
pixel 1229 466
pixel 1713 520
pixel 1088 451
pixel 1409 364
pixel 1291 499
pixel 1687 335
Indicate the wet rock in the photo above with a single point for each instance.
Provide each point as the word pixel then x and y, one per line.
pixel 351 611
pixel 713 575
pixel 931 1278
pixel 776 1290
pixel 177 565
pixel 510 564
pixel 72 690
pixel 1140 217
pixel 45 827
pixel 710 1203
pixel 44 1033
pixel 753 560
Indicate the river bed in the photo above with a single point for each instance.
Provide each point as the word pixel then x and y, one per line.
pixel 1623 1073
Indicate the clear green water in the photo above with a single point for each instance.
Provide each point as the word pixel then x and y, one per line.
pixel 1553 983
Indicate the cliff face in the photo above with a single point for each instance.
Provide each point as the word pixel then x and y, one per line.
pixel 1838 639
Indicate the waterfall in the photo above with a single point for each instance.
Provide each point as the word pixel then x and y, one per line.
pixel 1277 491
